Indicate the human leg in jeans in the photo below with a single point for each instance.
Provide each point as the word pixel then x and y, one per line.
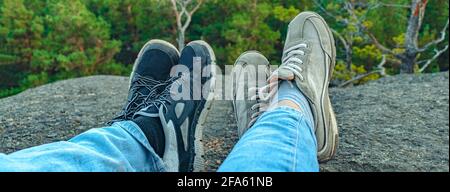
pixel 297 128
pixel 136 139
pixel 122 146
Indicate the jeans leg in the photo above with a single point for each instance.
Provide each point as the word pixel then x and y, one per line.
pixel 281 140
pixel 120 147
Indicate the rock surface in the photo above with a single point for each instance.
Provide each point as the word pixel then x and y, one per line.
pixel 398 123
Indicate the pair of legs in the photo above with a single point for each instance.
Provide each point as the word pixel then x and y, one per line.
pixel 286 144
pixel 156 132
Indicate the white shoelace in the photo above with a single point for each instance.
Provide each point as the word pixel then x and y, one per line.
pixel 292 62
pixel 264 94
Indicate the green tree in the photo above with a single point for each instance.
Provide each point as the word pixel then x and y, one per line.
pixel 416 41
pixel 20 32
pixel 356 56
pixel 133 22
pixel 240 26
pixel 77 43
pixel 247 30
pixel 46 40
pixel 437 14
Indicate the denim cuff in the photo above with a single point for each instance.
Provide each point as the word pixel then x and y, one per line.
pixel 134 130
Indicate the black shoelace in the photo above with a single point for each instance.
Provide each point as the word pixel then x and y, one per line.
pixel 138 100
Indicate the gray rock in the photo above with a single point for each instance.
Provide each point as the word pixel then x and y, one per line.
pixel 397 123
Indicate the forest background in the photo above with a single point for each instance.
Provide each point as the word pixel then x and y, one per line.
pixel 42 41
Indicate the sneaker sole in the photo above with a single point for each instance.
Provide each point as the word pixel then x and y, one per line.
pixel 331 130
pixel 153 41
pixel 328 152
pixel 199 161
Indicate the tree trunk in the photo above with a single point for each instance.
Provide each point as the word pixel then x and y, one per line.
pixel 181 39
pixel 409 57
pixel 408 61
pixel 349 56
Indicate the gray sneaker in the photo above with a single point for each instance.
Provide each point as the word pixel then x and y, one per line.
pixel 309 58
pixel 250 74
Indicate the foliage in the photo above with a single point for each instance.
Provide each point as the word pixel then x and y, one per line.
pixel 342 73
pixel 76 42
pixel 63 40
pixel 11 91
pixel 43 41
pixel 134 22
pixel 20 31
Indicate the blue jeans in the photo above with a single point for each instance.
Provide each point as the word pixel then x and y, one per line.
pixel 281 140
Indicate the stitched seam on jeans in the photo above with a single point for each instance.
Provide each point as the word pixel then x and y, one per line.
pixel 296 141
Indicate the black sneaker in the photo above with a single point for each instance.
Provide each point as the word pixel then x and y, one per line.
pixel 182 115
pixel 150 76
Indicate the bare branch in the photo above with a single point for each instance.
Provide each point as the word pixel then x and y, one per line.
pixel 437 41
pixel 341 38
pixel 189 14
pixel 379 45
pixel 176 12
pixel 200 2
pixel 323 9
pixel 429 61
pixel 381 70
pixel 347 46
pixel 183 9
pixel 422 7
pixel 384 49
pixel 395 5
pixel 357 78
pixel 184 17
